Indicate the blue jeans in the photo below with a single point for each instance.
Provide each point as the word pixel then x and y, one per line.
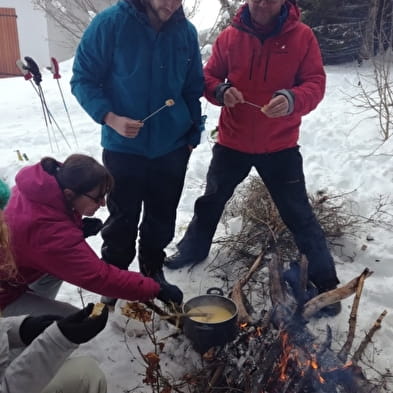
pixel 156 184
pixel 282 173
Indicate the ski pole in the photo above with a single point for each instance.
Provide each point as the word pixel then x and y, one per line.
pixel 27 75
pixel 54 68
pixel 37 77
pixel 168 102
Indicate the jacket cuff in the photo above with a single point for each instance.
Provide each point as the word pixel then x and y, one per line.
pixel 288 94
pixel 219 92
pixel 12 326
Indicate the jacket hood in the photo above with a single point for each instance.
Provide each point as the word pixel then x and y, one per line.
pixel 289 16
pixel 38 186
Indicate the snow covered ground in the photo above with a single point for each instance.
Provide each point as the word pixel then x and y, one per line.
pixel 336 143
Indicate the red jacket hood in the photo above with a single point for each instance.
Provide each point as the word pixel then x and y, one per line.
pixel 38 186
pixel 290 21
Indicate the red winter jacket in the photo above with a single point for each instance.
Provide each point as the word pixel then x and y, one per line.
pixel 46 237
pixel 289 60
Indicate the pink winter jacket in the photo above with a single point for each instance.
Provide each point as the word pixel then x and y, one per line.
pixel 46 237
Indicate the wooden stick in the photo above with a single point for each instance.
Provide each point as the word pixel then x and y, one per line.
pixel 277 293
pixel 237 293
pixel 367 339
pixel 343 354
pixel 185 314
pixel 333 296
pixel 163 314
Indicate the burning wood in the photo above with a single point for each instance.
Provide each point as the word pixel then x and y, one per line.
pixel 279 354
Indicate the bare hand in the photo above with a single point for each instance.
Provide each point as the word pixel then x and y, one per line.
pixel 233 96
pixel 124 126
pixel 277 107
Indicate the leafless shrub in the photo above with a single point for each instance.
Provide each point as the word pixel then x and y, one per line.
pixel 376 89
pixel 261 219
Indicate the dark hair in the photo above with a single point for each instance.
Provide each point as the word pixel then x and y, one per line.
pixel 79 173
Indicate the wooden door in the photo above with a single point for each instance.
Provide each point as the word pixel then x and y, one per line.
pixel 9 43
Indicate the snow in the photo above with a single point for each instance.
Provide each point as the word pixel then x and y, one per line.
pixel 336 142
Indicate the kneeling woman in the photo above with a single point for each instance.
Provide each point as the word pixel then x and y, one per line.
pixel 44 216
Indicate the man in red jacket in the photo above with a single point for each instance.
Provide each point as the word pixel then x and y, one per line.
pixel 269 58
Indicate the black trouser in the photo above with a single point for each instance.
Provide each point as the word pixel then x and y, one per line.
pixel 282 173
pixel 157 185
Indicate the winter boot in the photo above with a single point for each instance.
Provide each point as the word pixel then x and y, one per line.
pixel 178 260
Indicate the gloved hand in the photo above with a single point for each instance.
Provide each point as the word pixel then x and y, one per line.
pixel 79 328
pixel 170 293
pixel 32 327
pixel 91 226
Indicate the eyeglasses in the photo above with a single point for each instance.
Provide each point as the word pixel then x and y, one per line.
pixel 98 199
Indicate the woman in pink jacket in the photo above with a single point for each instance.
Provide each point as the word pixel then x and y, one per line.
pixel 44 216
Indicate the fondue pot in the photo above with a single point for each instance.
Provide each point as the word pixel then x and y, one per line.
pixel 205 335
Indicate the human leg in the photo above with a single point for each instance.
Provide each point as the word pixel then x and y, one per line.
pixel 227 169
pixel 78 375
pixel 282 173
pixel 124 204
pixel 164 185
pixel 47 286
pixel 35 305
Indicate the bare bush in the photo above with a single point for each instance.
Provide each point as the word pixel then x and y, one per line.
pixel 262 226
pixel 376 89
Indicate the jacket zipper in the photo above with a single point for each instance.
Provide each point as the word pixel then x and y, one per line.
pixel 266 66
pixel 252 65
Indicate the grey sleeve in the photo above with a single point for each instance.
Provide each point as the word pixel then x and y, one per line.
pixel 37 364
pixel 220 90
pixel 288 94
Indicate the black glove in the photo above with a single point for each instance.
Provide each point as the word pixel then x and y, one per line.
pixel 34 69
pixel 170 293
pixel 79 328
pixel 91 226
pixel 32 327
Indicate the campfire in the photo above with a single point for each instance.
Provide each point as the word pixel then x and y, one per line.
pixel 279 354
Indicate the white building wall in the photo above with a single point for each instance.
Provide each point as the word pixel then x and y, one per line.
pixel 32 30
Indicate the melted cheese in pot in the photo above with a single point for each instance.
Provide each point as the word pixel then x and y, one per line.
pixel 214 314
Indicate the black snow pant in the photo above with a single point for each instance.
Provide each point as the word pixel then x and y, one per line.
pixel 156 184
pixel 282 173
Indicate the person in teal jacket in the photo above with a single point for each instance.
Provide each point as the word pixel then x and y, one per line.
pixel 134 58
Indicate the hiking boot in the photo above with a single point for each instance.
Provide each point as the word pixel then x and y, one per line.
pixel 177 261
pixel 168 292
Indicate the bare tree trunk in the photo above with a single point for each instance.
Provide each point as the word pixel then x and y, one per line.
pixel 368 46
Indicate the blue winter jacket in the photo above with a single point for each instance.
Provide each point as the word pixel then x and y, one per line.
pixel 123 65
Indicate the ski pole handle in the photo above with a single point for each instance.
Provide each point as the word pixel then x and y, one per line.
pixel 54 68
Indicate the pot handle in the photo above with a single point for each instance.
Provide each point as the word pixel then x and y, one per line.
pixel 215 291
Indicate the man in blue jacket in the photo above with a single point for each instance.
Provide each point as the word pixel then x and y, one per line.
pixel 136 57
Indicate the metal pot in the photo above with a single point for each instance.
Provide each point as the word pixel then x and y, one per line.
pixel 205 335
